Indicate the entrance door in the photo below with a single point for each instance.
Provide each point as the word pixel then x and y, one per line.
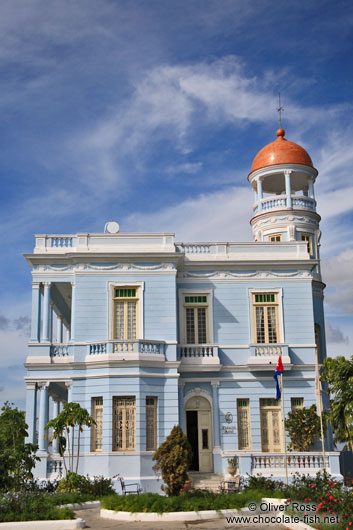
pixel 271 435
pixel 199 433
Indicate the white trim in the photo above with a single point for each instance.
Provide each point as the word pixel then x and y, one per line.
pixel 279 292
pixel 182 291
pixel 110 288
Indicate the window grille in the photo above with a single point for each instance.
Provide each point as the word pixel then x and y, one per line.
pixel 124 412
pixel 125 315
pixel 297 403
pixel 196 315
pixel 243 424
pixel 97 431
pixel 266 318
pixel 151 423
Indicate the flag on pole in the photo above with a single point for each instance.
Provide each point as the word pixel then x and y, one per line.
pixel 279 370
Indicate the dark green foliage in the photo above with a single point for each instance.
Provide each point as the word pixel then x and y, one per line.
pixel 338 374
pixel 303 427
pixel 75 483
pixel 173 460
pixel 185 502
pixel 17 459
pixel 24 506
pixel 259 482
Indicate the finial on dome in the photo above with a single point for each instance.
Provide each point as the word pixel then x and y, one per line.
pixel 280 132
pixel 280 109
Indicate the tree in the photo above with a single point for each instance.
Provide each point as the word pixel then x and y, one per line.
pixel 303 427
pixel 17 458
pixel 173 460
pixel 64 426
pixel 338 374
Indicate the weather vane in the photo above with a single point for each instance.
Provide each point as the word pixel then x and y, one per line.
pixel 280 109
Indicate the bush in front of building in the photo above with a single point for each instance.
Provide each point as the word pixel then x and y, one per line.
pixel 30 506
pixel 303 427
pixel 75 483
pixel 173 459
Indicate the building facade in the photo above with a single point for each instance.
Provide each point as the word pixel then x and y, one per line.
pixel 147 333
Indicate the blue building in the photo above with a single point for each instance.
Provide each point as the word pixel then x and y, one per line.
pixel 147 333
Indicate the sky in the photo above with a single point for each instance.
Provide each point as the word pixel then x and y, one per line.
pixel 149 113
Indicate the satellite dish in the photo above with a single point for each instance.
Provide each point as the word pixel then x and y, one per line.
pixel 111 227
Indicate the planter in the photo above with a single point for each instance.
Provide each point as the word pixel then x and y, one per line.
pixel 232 470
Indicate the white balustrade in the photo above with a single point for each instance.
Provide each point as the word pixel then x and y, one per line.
pixel 197 351
pixel 59 350
pixel 61 241
pixel 55 466
pixel 124 347
pixel 262 350
pixel 297 461
pixel 127 346
pixel 303 202
pixel 98 348
pixel 278 202
pixel 195 248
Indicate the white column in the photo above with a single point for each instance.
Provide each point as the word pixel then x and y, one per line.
pixel 311 189
pixel 43 417
pixel 255 196
pixel 73 312
pixel 259 194
pixel 181 405
pixel 288 188
pixel 46 312
pixel 31 412
pixel 216 426
pixel 35 322
pixel 56 404
pixel 69 391
pixel 59 329
pixel 51 322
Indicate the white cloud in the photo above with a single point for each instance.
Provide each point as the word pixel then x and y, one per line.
pixel 337 272
pixel 219 216
pixel 335 334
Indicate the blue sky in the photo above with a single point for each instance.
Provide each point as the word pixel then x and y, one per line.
pixel 150 113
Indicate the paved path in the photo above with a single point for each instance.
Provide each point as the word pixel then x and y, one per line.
pixel 95 522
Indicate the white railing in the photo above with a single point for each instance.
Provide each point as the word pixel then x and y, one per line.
pixel 61 241
pixel 127 346
pixel 59 350
pixel 55 466
pixel 262 350
pixel 294 460
pixel 198 353
pixel 278 202
pixel 195 248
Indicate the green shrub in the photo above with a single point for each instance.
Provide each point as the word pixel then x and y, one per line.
pixel 173 460
pixel 24 506
pixel 303 427
pixel 185 502
pixel 75 483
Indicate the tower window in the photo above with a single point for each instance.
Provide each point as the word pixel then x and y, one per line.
pixel 275 238
pixel 309 240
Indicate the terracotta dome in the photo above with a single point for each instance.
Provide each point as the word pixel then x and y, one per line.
pixel 281 151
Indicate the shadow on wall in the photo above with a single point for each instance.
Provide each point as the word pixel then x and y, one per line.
pixel 346 464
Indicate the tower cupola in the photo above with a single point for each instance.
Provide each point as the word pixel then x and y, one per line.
pixel 282 178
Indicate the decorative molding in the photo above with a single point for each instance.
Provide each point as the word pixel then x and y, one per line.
pixel 257 274
pixel 79 267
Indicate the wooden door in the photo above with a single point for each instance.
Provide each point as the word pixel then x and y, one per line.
pixel 271 435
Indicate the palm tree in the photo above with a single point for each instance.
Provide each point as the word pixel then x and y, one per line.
pixel 71 417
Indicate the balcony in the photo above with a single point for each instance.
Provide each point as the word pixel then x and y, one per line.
pixel 265 356
pixel 278 202
pixel 127 349
pixel 198 355
pixel 268 464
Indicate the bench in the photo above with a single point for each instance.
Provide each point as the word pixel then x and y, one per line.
pixel 133 488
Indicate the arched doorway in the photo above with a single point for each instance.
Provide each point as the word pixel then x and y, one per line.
pixel 199 432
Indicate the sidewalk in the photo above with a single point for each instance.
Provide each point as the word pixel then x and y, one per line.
pixel 94 522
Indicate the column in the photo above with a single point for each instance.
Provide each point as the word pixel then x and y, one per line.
pixel 56 405
pixel 288 188
pixel 51 322
pixel 216 425
pixel 43 417
pixel 59 329
pixel 311 189
pixel 73 312
pixel 31 412
pixel 68 385
pixel 259 194
pixel 181 385
pixel 255 196
pixel 35 323
pixel 46 312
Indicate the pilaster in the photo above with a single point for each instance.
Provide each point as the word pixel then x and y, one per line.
pixel 36 303
pixel 43 417
pixel 46 312
pixel 216 426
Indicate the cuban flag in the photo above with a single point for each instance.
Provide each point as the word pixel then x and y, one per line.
pixel 279 370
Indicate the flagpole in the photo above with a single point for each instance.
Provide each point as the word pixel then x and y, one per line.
pixel 319 407
pixel 284 432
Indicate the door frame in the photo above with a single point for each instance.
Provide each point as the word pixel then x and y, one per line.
pixel 199 393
